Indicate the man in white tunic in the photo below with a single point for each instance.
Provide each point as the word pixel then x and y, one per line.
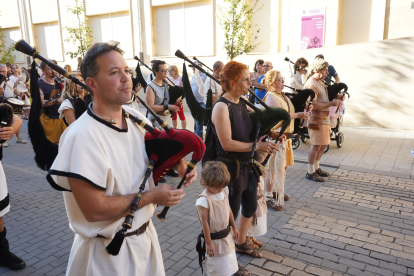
pixel 100 166
pixel 7 258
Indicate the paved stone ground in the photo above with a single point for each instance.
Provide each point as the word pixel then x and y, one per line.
pixel 371 149
pixel 356 223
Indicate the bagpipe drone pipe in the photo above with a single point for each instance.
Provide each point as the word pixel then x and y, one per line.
pixel 263 119
pixel 174 90
pixel 45 151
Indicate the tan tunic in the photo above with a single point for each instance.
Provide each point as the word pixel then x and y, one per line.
pixel 287 105
pixel 322 136
pixel 219 213
pixel 321 95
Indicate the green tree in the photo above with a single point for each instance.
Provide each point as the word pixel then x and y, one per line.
pixel 81 35
pixel 6 54
pixel 236 18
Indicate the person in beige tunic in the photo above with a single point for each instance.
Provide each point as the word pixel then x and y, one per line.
pixel 215 215
pixel 280 160
pixel 319 138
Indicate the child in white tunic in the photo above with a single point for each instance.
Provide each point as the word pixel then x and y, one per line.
pixel 214 213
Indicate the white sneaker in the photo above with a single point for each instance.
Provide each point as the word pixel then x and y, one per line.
pixel 5 145
pixel 412 153
pixel 20 140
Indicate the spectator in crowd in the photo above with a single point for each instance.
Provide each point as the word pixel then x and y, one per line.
pixel 68 68
pixel 24 73
pixel 79 64
pixel 8 65
pixel 267 66
pixel 9 92
pixel 331 71
pixel 22 87
pixel 258 71
pixel 177 80
pixel 197 86
pixel 213 85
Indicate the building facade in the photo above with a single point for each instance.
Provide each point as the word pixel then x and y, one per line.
pixel 370 42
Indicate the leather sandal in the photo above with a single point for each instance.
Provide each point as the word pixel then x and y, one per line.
pixel 242 271
pixel 256 242
pixel 244 248
pixel 315 177
pixel 320 172
pixel 251 243
pixel 285 196
pixel 273 205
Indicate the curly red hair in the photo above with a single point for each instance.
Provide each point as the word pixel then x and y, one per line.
pixel 232 71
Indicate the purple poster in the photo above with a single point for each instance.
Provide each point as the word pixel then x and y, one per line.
pixel 313 28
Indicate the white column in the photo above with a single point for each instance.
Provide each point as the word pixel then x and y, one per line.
pixel 376 31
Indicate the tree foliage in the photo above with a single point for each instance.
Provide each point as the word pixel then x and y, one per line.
pixel 81 35
pixel 236 19
pixel 6 53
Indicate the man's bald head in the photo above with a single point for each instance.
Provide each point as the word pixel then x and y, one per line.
pixel 267 66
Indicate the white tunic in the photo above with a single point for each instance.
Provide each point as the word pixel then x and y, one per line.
pixel 4 196
pixel 66 104
pixel 113 160
pixel 21 87
pixel 8 88
pixel 219 266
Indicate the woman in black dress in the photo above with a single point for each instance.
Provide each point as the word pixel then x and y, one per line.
pixel 231 125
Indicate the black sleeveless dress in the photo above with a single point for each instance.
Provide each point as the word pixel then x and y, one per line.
pixel 241 126
pixel 51 111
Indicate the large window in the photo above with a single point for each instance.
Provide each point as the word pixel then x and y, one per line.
pixel 12 36
pixel 49 40
pixel 113 26
pixel 266 20
pixel 186 26
pixel 355 21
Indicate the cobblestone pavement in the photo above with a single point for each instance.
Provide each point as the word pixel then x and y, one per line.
pixel 356 223
pixel 372 149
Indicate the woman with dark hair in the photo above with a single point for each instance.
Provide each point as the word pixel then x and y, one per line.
pixel 298 75
pixel 231 126
pixel 257 72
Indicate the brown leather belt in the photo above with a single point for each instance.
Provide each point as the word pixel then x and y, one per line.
pixel 320 113
pixel 163 113
pixel 137 232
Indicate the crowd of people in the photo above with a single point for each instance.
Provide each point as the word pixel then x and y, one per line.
pixel 100 172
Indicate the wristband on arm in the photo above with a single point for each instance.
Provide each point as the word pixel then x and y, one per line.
pixel 165 106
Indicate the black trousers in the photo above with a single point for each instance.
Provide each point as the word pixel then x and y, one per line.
pixel 248 202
